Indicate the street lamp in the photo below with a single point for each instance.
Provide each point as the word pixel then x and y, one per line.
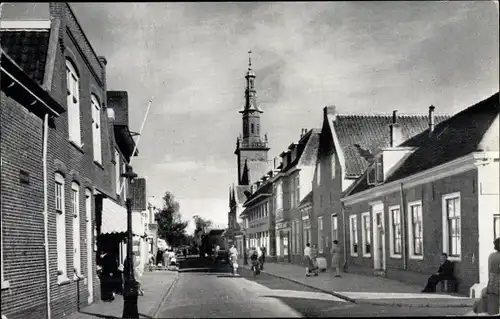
pixel 131 286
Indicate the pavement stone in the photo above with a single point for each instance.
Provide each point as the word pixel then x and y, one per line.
pixel 364 289
pixel 156 286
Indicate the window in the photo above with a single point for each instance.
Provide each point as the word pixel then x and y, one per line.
pixel 353 234
pixel 117 171
pixel 73 104
pixel 297 238
pixel 496 226
pixel 306 234
pixel 333 160
pixel 96 128
pixel 279 199
pixel 297 190
pixel 451 226
pixel 61 229
pixel 252 128
pixel 335 227
pixel 125 181
pixel 395 232
pixel 318 173
pixel 292 191
pixel 366 234
pixel 379 167
pixel 415 230
pixel 75 211
pixel 320 200
pixel 320 234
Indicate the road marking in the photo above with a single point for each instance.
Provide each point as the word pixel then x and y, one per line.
pixel 300 294
pixel 381 295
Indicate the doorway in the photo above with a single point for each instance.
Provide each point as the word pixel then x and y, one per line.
pixel 379 253
pixel 88 213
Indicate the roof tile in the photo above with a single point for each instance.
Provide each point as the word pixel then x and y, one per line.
pixel 372 132
pixel 28 49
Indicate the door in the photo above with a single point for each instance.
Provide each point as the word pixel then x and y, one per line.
pixel 90 277
pixel 379 240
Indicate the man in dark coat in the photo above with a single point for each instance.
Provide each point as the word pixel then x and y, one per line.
pixel 445 272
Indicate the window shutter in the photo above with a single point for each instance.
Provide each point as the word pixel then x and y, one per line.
pixel 380 171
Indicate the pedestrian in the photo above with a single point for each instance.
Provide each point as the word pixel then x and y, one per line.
pixel 166 258
pixel 314 257
pixel 490 298
pixel 107 267
pixel 445 272
pixel 308 259
pixel 136 265
pixel 264 251
pixel 335 251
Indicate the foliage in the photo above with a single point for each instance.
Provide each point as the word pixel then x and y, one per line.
pixel 200 226
pixel 170 225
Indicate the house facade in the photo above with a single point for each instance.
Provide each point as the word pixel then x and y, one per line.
pixel 56 55
pixel 436 192
pixel 347 142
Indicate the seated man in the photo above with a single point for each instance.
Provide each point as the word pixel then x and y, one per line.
pixel 445 272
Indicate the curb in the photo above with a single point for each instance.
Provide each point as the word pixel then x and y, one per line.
pixel 372 302
pixel 165 297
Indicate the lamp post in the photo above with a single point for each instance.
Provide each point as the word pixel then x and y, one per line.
pixel 131 289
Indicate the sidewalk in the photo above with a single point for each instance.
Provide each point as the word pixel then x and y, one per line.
pixel 366 289
pixel 156 286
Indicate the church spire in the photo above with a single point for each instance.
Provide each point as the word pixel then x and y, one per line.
pixel 250 92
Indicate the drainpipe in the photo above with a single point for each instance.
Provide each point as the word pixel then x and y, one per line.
pixel 45 211
pixel 403 226
pixel 345 235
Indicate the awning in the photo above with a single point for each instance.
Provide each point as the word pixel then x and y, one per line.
pixel 114 219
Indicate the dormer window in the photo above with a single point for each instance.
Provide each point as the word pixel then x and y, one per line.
pixel 375 174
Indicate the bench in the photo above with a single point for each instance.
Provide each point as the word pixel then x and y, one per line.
pixel 449 285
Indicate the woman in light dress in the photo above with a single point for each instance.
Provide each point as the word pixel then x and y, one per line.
pixel 335 251
pixel 489 303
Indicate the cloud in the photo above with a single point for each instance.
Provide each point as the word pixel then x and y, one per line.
pixel 361 56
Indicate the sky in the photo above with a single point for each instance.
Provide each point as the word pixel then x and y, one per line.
pixel 360 56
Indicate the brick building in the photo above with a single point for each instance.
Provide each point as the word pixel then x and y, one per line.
pixel 345 149
pixel 436 192
pixel 49 57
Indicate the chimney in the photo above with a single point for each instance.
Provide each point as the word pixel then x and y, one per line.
pixel 431 119
pixel 118 101
pixel 330 110
pixel 104 62
pixel 395 128
pixel 276 162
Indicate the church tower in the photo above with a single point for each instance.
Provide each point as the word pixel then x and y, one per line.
pixel 251 148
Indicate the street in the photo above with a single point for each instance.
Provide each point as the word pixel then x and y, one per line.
pixel 205 289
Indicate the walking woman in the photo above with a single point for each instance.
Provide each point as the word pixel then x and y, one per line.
pixel 490 300
pixel 335 251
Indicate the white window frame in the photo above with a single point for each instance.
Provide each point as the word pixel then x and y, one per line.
pixel 445 224
pixel 353 235
pixel 293 238
pixel 73 104
pixel 125 182
pixel 297 190
pixel 76 214
pixel 333 163
pixel 496 226
pixel 320 234
pixel 117 171
pixel 410 230
pixel 96 128
pixel 392 235
pixel 366 234
pixel 279 197
pixel 292 193
pixel 334 225
pixel 60 210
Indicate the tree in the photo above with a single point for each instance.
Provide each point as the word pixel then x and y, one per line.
pixel 170 225
pixel 201 224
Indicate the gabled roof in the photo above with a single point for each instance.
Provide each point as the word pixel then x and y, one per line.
pixel 307 150
pixel 451 139
pixel 371 132
pixel 307 200
pixel 28 49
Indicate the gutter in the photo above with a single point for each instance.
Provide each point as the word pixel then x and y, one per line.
pixel 403 226
pixel 345 235
pixel 45 211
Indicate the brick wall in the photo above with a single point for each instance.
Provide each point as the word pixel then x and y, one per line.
pixel 430 194
pixel 22 206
